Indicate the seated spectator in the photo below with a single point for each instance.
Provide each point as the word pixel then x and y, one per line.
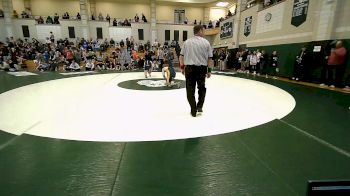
pixel 49 20
pixel 9 65
pixel 115 23
pixel 56 18
pixel 229 14
pixel 73 66
pixel 136 18
pixel 1 13
pixel 210 25
pixel 40 20
pixel 144 19
pixel 14 14
pixel 24 14
pixel 267 3
pixel 217 24
pixel 66 15
pixel 100 17
pixel 121 43
pixel 89 66
pixel 42 65
pixel 108 18
pixel 112 42
pixel 78 16
pixel 52 37
pixel 126 22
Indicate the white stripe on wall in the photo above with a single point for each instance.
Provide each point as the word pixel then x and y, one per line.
pixel 284 37
pixel 342 29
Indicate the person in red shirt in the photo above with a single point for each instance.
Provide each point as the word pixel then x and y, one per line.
pixel 335 63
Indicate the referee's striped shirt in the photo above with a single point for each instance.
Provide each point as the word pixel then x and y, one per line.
pixel 196 51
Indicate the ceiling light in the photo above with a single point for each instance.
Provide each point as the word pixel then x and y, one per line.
pixel 222 4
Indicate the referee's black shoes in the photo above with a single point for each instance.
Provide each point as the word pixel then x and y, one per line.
pixel 193 113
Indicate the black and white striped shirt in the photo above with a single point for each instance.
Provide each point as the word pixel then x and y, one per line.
pixel 196 51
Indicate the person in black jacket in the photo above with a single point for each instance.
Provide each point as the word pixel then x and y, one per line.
pixel 300 65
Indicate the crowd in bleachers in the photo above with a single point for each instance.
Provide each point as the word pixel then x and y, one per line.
pixel 100 17
pixel 90 54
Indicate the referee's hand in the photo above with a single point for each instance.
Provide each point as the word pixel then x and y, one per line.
pixel 208 75
pixel 183 71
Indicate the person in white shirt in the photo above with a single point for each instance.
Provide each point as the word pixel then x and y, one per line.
pixel 73 66
pixel 196 63
pixel 253 60
pixel 89 66
pixel 258 65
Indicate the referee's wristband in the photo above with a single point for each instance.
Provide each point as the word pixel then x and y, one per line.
pixel 182 66
pixel 209 69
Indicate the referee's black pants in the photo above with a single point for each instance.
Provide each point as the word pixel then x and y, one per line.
pixel 195 75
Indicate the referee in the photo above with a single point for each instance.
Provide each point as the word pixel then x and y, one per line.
pixel 196 63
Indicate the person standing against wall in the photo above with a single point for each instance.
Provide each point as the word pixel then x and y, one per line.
pixel 336 63
pixel 274 64
pixel 196 63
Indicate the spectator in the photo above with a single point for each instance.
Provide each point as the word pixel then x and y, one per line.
pixel 14 14
pixel 136 18
pixel 108 18
pixel 52 37
pixel 195 22
pixel 144 19
pixel 92 17
pixel 253 61
pixel 177 49
pixel 24 14
pixel 66 15
pixel 121 43
pixel 186 21
pixel 89 66
pixel 100 17
pixel 126 22
pixel 335 63
pixel 78 16
pixel 222 61
pixel 56 18
pixel 274 64
pixel 229 14
pixel 111 42
pixel 40 20
pixel 49 20
pixel 300 65
pixel 115 23
pixel 1 13
pixel 73 66
pixel 210 25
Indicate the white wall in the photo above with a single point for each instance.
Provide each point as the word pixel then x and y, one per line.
pixel 162 27
pixel 71 23
pixel 18 5
pixel 122 9
pixel 216 13
pixel 43 31
pixel 146 31
pixel 166 12
pixel 17 28
pixel 120 33
pixel 103 24
pixel 50 7
pixel 2 30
